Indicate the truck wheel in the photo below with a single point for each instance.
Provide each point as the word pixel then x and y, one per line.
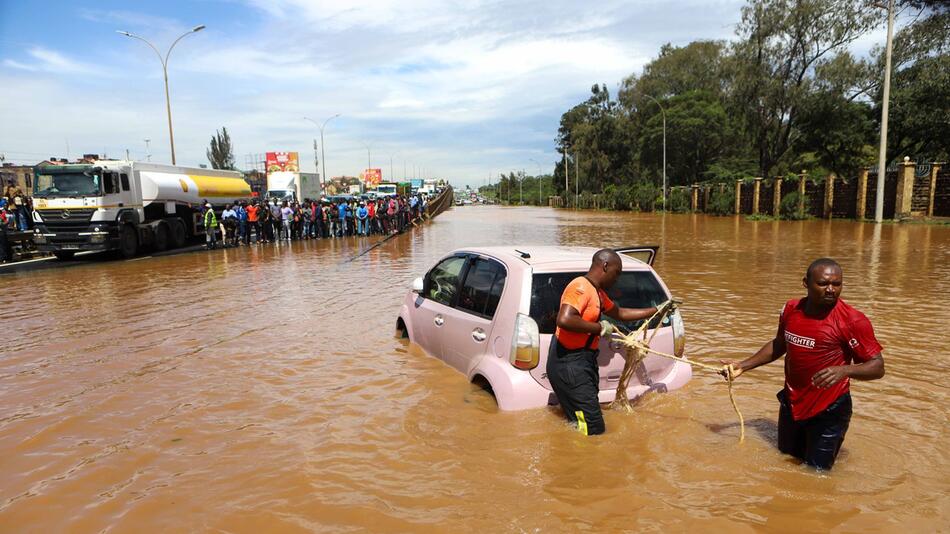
pixel 178 233
pixel 161 236
pixel 128 241
pixel 64 255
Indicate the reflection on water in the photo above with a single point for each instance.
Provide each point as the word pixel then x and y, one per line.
pixel 262 388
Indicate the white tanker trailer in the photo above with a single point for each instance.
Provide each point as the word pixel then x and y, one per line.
pixel 125 205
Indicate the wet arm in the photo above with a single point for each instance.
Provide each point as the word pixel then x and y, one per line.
pixel 869 370
pixel 771 351
pixel 630 314
pixel 570 319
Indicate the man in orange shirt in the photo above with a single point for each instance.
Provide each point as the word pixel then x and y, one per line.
pixel 572 359
pixel 252 223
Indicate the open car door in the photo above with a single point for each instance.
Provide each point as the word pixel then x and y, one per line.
pixel 644 253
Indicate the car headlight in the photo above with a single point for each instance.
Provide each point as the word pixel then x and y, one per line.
pixel 39 238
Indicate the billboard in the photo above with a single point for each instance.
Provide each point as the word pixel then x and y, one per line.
pixel 282 162
pixel 416 183
pixel 372 177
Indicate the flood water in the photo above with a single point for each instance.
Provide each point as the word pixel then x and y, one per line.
pixel 262 389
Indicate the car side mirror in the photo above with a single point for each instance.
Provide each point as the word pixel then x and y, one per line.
pixel 417 285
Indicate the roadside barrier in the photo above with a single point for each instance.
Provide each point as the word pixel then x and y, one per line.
pixel 638 346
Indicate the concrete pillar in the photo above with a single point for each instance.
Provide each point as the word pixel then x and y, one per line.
pixel 829 196
pixel 738 197
pixel 862 200
pixel 905 189
pixel 777 197
pixel 694 199
pixel 934 169
pixel 801 191
pixel 755 195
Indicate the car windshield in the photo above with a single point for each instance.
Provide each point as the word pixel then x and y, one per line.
pixel 634 289
pixel 71 184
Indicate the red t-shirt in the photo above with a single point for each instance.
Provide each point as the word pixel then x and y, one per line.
pixel 251 213
pixel 581 295
pixel 843 335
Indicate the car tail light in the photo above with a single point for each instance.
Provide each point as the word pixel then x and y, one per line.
pixel 679 333
pixel 525 343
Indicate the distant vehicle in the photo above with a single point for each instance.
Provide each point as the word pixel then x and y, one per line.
pixel 490 313
pixel 386 189
pixel 293 186
pixel 458 202
pixel 125 205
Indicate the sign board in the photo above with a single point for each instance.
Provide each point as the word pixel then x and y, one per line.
pixel 282 162
pixel 372 177
pixel 416 183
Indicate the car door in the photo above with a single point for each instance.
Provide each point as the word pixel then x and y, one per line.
pixel 440 289
pixel 466 333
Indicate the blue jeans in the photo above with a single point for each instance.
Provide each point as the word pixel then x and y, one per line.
pixel 306 228
pixel 22 218
pixel 242 230
pixel 361 226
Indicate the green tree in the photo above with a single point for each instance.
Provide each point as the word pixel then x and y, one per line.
pixel 781 45
pixel 220 153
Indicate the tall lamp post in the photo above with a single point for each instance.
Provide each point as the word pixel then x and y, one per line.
pixel 323 156
pixel 369 160
pixel 539 179
pixel 164 60
pixel 662 112
pixel 882 154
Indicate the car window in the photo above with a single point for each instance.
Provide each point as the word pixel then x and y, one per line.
pixel 482 288
pixel 111 183
pixel 442 282
pixel 125 181
pixel 634 289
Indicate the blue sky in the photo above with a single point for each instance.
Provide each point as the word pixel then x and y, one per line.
pixel 461 89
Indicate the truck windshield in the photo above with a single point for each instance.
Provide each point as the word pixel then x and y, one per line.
pixel 634 289
pixel 69 184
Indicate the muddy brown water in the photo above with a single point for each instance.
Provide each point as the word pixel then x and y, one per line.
pixel 262 389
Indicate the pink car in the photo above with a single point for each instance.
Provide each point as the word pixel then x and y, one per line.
pixel 490 313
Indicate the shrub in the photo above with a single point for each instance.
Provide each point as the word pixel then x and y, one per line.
pixel 678 200
pixel 646 195
pixel 722 202
pixel 790 207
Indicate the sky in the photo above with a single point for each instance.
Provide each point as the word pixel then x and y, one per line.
pixel 455 89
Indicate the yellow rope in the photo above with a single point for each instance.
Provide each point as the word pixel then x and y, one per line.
pixel 637 349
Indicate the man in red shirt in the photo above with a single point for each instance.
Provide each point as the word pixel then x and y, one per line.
pixel 572 357
pixel 826 343
pixel 252 223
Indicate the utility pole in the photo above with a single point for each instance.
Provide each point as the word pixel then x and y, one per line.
pixel 316 161
pixel 164 61
pixel 882 154
pixel 567 190
pixel 577 181
pixel 521 188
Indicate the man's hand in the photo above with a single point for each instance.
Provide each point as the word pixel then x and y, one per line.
pixel 606 327
pixel 735 368
pixel 829 376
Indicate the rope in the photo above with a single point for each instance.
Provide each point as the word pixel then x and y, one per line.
pixel 636 351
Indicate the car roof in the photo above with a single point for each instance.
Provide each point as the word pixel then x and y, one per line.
pixel 550 257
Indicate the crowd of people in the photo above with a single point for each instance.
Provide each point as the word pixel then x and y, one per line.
pixel 266 222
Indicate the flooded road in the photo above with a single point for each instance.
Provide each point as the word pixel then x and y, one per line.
pixel 262 389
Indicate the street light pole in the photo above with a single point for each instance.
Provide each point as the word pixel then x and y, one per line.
pixel 662 112
pixel 164 61
pixel 323 156
pixel 882 154
pixel 369 160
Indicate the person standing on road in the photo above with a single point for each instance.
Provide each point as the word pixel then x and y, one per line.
pixel 820 336
pixel 572 357
pixel 252 226
pixel 228 225
pixel 241 212
pixel 287 218
pixel 211 224
pixel 361 217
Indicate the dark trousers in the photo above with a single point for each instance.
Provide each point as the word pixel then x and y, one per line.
pixel 252 226
pixel 575 378
pixel 815 440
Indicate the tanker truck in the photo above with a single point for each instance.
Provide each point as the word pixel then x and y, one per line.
pixel 125 206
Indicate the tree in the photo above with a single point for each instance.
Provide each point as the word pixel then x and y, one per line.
pixel 782 44
pixel 221 154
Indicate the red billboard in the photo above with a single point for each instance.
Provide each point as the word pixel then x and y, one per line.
pixel 282 161
pixel 372 177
